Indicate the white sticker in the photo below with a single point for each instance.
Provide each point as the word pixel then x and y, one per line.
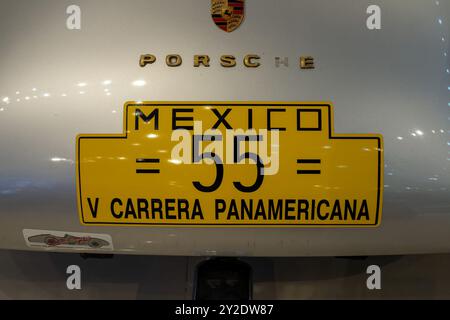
pixel 67 240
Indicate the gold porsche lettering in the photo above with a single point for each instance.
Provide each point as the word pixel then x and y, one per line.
pixel 250 61
pixel 226 61
pixel 146 59
pixel 201 60
pixel 307 62
pixel 173 60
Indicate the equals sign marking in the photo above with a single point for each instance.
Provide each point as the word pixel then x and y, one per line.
pixel 147 171
pixel 308 161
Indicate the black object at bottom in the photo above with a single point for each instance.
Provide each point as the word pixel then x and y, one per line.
pixel 223 279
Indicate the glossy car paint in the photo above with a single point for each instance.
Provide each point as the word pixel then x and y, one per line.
pixel 394 81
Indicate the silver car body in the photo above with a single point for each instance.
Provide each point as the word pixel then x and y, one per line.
pixel 394 81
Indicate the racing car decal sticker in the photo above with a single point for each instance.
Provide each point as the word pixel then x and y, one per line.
pixel 67 240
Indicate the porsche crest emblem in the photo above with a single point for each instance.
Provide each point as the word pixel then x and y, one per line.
pixel 228 14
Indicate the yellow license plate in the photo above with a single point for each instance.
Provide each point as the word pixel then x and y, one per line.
pixel 230 164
